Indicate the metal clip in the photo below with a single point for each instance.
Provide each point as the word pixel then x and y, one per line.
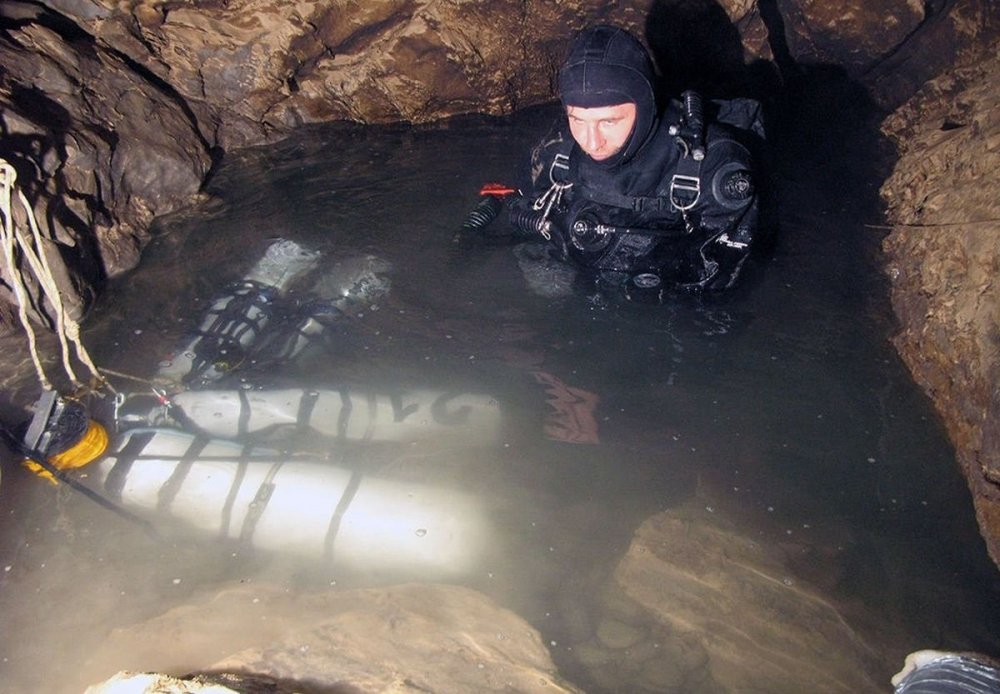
pixel 546 201
pixel 687 184
pixel 119 401
pixel 559 161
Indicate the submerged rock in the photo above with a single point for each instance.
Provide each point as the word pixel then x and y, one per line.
pixel 156 683
pixel 405 638
pixel 757 626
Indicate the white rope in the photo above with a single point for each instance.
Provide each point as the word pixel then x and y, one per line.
pixel 7 178
pixel 67 329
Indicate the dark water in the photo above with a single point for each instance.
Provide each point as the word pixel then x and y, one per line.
pixel 782 406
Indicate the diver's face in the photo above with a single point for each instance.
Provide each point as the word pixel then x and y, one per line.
pixel 602 131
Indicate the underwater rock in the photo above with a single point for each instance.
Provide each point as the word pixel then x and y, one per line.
pixel 155 683
pixel 403 638
pixel 735 600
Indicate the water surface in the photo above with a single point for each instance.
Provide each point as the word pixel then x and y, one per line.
pixel 781 406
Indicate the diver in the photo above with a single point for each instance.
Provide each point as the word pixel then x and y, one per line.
pixel 634 197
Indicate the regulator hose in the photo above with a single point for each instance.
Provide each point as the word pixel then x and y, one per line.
pixel 485 211
pixel 695 122
pixel 529 221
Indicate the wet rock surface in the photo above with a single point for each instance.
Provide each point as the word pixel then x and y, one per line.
pixel 156 683
pixel 944 263
pixel 406 638
pixel 737 610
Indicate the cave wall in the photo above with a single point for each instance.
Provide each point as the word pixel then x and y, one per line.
pixel 114 111
pixel 943 259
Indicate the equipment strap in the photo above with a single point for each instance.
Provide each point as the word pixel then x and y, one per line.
pixel 307 403
pixel 243 422
pixel 636 203
pixel 257 507
pixel 685 184
pixel 338 513
pixel 168 492
pixel 114 483
pixel 227 507
pixel 345 414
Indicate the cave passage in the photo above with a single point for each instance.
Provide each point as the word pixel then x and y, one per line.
pixel 781 408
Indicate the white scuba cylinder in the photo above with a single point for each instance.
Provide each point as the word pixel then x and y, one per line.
pixel 305 507
pixel 283 263
pixel 350 415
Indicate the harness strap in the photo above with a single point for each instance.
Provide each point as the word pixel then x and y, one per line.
pixel 635 203
pixel 685 184
pixel 684 191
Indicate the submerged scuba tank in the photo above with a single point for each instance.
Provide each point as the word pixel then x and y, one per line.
pixel 347 415
pixel 350 287
pixel 235 321
pixel 308 507
pixel 258 320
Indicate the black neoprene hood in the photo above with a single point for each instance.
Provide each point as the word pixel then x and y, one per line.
pixel 607 66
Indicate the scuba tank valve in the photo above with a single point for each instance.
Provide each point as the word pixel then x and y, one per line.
pixel 690 132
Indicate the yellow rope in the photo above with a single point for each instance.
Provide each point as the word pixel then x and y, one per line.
pixel 67 329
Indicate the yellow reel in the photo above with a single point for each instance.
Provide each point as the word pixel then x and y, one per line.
pixel 88 449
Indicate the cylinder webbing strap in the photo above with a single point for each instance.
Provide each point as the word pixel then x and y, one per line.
pixel 114 483
pixel 257 507
pixel 227 507
pixel 345 414
pixel 306 405
pixel 338 513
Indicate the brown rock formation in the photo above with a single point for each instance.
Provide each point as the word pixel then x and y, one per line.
pixel 758 625
pixel 944 262
pixel 408 638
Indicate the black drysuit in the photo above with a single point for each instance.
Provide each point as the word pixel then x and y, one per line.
pixel 662 217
